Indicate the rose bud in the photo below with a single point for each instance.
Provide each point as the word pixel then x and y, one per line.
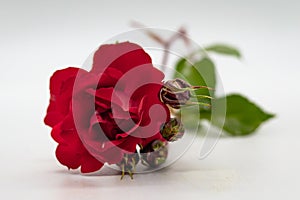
pixel 128 164
pixel 172 130
pixel 154 154
pixel 175 93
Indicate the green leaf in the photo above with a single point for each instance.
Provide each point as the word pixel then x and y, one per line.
pixel 202 73
pixel 207 70
pixel 224 49
pixel 242 116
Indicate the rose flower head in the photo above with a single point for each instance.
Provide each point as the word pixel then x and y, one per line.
pixel 100 116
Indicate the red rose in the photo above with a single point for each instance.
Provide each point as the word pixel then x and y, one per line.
pixel 100 115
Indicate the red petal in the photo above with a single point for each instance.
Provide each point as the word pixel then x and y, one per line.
pixel 56 133
pixel 60 77
pixel 129 145
pixel 113 155
pixel 122 56
pixel 83 108
pixel 143 75
pixel 147 141
pixel 61 86
pixel 110 77
pixel 90 164
pixel 53 118
pixel 68 156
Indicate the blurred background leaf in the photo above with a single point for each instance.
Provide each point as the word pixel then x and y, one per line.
pixel 224 49
pixel 242 117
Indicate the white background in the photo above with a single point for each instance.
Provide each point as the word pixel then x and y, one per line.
pixel 39 37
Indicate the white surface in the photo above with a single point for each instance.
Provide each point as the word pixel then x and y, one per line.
pixel 39 37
